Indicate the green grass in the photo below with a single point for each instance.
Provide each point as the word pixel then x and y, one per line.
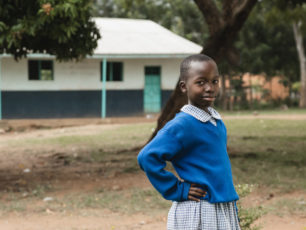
pixel 20 201
pixel 265 152
pixel 290 111
pixel 289 206
pixel 114 139
pixel 126 201
pixel 268 152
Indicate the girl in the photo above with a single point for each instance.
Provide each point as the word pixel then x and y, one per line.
pixel 195 143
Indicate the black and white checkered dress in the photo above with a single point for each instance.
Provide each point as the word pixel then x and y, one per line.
pixel 202 215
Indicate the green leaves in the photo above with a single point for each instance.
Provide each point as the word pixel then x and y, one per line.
pixel 52 26
pixel 3 27
pixel 268 46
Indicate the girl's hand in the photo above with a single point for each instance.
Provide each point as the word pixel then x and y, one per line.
pixel 195 192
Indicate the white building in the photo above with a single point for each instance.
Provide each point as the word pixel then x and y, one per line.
pixel 142 60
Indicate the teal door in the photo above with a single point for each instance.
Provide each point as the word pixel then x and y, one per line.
pixel 152 94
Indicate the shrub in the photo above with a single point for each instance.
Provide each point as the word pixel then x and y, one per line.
pixel 248 216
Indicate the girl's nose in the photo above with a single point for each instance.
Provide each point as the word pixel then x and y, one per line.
pixel 209 86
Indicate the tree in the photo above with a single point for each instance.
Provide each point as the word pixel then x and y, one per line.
pixel 294 15
pixel 57 27
pixel 265 48
pixel 224 20
pixel 268 48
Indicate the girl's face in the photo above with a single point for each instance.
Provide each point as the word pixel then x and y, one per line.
pixel 201 84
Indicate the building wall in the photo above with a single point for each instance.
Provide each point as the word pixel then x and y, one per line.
pixel 76 89
pixel 85 75
pixel 274 86
pixel 259 83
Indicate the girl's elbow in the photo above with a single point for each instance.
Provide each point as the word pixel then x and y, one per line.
pixel 142 159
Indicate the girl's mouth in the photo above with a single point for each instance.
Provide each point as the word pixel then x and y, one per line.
pixel 209 98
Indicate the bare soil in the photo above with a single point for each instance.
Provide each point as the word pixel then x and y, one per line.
pixel 20 172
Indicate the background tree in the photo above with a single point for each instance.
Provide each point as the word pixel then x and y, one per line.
pixel 57 27
pixel 267 49
pixel 293 14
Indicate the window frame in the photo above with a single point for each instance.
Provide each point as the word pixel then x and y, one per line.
pixel 109 71
pixel 39 63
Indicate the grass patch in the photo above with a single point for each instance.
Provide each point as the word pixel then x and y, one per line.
pixel 268 152
pixel 290 111
pixel 17 206
pixel 126 201
pixel 114 139
pixel 263 152
pixel 289 206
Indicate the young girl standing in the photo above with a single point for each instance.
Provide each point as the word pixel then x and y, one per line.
pixel 195 142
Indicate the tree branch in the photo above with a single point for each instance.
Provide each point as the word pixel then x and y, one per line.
pixel 242 11
pixel 227 8
pixel 211 14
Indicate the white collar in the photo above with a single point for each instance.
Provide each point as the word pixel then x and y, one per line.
pixel 201 114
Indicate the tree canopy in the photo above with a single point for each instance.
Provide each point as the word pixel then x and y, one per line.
pixel 58 27
pixel 266 48
pixel 293 14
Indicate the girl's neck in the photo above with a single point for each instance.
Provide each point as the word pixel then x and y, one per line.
pixel 206 110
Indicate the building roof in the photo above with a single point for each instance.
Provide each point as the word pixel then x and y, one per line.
pixel 132 37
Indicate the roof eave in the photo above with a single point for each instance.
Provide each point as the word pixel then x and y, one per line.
pixel 137 56
pixel 110 56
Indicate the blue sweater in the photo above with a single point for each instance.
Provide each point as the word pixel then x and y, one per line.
pixel 198 153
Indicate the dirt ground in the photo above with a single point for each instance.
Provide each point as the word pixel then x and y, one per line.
pixel 18 172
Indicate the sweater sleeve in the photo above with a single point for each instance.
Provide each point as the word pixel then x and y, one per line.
pixel 152 159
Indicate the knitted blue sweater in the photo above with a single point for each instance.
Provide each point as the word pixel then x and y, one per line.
pixel 198 153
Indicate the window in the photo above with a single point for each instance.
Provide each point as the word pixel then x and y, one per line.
pixel 40 70
pixel 114 71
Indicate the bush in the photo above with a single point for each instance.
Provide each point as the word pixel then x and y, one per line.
pixel 248 216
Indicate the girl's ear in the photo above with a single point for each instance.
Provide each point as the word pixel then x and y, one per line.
pixel 183 86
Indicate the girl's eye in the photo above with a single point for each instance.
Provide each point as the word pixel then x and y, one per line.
pixel 215 81
pixel 200 82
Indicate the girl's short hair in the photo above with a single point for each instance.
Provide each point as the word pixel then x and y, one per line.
pixel 185 65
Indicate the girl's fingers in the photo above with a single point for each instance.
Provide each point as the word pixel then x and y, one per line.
pixel 193 198
pixel 198 190
pixel 195 186
pixel 196 193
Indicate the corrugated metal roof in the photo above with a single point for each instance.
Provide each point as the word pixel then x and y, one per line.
pixel 140 37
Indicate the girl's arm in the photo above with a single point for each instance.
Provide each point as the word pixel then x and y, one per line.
pixel 152 159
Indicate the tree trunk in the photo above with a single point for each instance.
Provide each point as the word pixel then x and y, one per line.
pixel 223 94
pixel 301 54
pixel 251 91
pixel 223 29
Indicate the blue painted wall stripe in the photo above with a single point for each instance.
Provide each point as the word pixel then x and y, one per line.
pixel 70 104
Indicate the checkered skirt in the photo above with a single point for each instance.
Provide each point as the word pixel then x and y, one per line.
pixel 192 215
